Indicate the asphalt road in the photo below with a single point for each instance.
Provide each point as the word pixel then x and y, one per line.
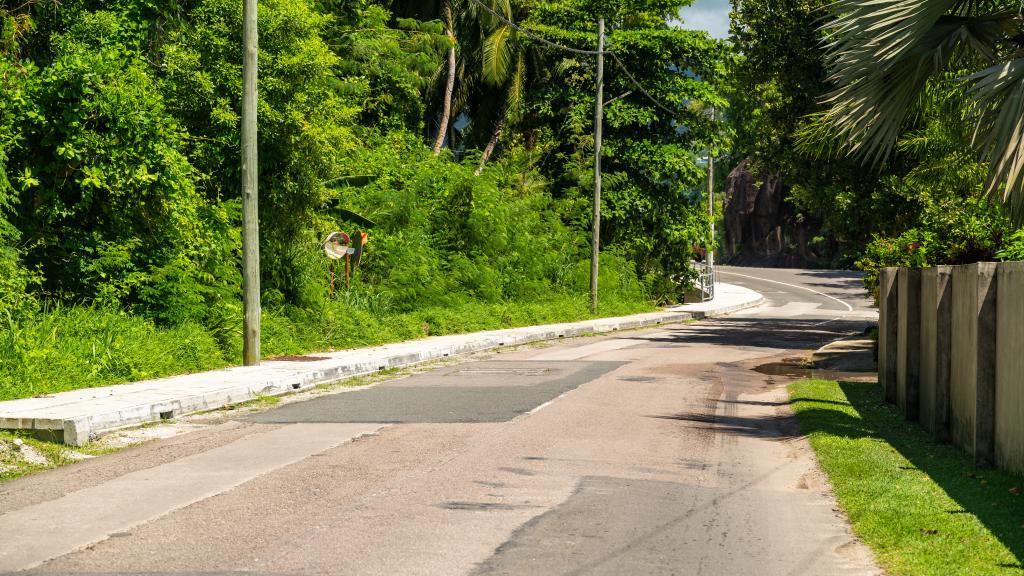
pixel 664 451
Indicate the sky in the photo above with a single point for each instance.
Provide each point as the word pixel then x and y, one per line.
pixel 710 15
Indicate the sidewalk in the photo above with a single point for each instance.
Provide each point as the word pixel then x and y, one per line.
pixel 78 416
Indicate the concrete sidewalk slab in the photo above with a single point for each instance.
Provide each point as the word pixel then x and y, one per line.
pixel 77 416
pixel 49 529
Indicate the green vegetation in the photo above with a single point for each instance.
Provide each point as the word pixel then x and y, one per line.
pixel 119 175
pixel 890 160
pixel 21 454
pixel 922 507
pixel 70 348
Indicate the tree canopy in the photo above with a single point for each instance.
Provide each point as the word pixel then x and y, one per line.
pixel 119 154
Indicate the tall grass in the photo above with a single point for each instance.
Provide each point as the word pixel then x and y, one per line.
pixel 68 348
pixel 65 348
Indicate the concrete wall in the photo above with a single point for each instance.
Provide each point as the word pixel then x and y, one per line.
pixel 908 341
pixel 1009 393
pixel 936 300
pixel 887 332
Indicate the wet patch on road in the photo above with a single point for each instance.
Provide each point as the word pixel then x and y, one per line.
pixel 798 370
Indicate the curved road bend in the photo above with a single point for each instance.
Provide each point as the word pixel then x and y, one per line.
pixel 650 452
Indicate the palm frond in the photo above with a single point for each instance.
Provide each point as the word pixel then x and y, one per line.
pixel 515 95
pixel 876 33
pixel 997 95
pixel 882 54
pixel 497 55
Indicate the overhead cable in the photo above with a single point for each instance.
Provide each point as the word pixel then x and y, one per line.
pixel 640 87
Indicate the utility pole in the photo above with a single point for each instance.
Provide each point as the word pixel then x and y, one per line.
pixel 711 203
pixel 595 246
pixel 250 197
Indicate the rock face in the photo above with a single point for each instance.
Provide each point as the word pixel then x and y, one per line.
pixel 763 229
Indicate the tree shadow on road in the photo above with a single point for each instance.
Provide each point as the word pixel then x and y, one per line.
pixel 791 334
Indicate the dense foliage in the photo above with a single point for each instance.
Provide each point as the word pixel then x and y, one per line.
pixel 926 205
pixel 120 184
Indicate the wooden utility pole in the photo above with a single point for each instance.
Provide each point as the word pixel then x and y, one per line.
pixel 595 246
pixel 250 197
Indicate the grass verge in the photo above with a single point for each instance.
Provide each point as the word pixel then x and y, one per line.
pixel 81 347
pixel 922 507
pixel 21 454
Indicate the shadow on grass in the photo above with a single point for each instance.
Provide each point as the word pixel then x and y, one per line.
pixel 992 496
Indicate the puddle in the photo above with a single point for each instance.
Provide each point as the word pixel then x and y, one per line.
pixel 801 372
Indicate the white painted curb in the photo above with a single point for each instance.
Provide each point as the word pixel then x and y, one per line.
pixel 79 416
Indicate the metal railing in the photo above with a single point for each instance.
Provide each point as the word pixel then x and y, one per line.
pixel 707 277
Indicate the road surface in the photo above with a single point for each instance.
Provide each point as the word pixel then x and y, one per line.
pixel 652 452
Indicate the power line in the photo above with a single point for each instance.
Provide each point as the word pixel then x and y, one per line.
pixel 640 87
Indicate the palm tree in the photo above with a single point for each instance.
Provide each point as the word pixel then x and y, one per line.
pixel 503 67
pixel 449 89
pixel 881 55
pixel 486 70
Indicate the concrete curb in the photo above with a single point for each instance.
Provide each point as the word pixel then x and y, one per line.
pixel 726 310
pixel 78 416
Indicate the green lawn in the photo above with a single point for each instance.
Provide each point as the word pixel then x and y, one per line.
pixel 922 507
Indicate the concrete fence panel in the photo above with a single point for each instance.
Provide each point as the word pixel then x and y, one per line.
pixel 908 341
pixel 972 368
pixel 1009 392
pixel 887 332
pixel 963 367
pixel 936 310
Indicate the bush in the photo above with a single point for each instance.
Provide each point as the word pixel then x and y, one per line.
pixel 119 133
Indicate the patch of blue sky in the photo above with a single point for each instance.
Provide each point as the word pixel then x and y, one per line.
pixel 711 16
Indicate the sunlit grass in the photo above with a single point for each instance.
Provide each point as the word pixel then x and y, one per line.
pixel 922 507
pixel 72 348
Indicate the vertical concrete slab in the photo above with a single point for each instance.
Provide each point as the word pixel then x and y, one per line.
pixel 936 310
pixel 964 359
pixel 887 332
pixel 1009 400
pixel 908 341
pixel 985 415
pixel 972 386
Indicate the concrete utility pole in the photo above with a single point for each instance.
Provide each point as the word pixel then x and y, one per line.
pixel 595 247
pixel 250 196
pixel 711 202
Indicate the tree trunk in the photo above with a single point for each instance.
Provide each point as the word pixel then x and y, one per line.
pixel 449 88
pixel 490 146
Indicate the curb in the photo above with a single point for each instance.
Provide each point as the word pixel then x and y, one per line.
pixel 726 310
pixel 78 416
